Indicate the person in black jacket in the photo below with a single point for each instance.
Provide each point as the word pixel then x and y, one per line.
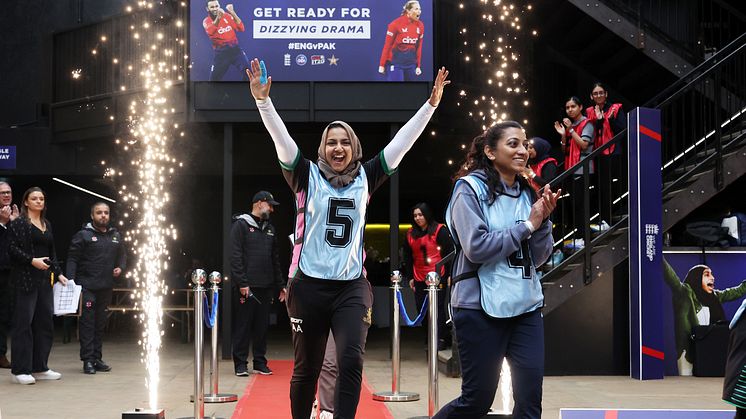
pixel 255 269
pixel 34 268
pixel 96 257
pixel 8 213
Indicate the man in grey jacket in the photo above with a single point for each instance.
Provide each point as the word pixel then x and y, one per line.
pixel 255 270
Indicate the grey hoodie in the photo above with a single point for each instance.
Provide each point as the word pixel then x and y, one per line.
pixel 479 245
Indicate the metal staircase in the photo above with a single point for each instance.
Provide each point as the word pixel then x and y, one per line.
pixel 704 150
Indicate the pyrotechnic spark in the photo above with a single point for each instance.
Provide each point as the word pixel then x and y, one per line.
pixel 497 40
pixel 152 130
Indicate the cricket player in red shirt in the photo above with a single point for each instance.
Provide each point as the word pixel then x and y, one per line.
pixel 402 51
pixel 221 27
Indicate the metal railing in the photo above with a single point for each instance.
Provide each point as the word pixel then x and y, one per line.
pixel 703 117
pixel 694 29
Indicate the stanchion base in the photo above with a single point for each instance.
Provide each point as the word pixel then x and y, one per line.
pixel 390 396
pixel 220 398
pixel 217 398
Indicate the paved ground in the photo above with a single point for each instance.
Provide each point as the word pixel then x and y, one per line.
pixel 106 395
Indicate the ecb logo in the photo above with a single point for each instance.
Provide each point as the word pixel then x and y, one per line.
pixel 301 59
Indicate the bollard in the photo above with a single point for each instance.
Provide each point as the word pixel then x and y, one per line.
pixel 432 281
pixel 215 396
pixel 395 395
pixel 198 278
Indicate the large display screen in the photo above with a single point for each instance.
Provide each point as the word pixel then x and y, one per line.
pixel 313 40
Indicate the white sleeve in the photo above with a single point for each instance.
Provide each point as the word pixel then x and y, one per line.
pixel 287 150
pixel 394 152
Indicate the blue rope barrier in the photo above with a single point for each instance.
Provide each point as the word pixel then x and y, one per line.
pixel 211 312
pixel 403 310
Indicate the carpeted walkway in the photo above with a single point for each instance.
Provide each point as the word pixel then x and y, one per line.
pixel 268 397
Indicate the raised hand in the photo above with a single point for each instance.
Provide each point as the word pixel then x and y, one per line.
pixel 549 199
pixel 441 81
pixel 259 90
pixel 599 113
pixel 559 128
pixel 566 122
pixel 229 8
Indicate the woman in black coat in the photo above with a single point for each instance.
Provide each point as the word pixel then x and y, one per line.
pixel 33 271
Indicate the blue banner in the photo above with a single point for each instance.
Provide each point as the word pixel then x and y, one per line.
pixel 305 40
pixel 7 157
pixel 728 269
pixel 645 244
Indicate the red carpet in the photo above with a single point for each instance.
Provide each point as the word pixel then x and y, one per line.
pixel 268 397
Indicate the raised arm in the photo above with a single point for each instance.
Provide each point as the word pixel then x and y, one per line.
pixel 394 152
pixel 287 150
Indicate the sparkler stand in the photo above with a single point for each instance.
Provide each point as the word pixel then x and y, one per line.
pixel 432 281
pixel 395 395
pixel 216 396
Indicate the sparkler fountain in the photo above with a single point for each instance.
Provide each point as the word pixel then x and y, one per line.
pixel 152 130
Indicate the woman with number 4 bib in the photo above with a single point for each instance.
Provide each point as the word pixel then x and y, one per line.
pixel 502 233
pixel 327 287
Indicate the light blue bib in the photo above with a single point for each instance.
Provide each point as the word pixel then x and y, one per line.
pixel 508 287
pixel 334 219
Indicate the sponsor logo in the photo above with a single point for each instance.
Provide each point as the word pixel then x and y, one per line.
pixel 301 59
pixel 295 324
pixel 224 29
pixel 318 59
pixel 368 317
pixel 94 239
pixel 286 60
pixel 408 40
pixel 405 30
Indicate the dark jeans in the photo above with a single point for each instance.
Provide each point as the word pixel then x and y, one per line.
pixel 315 306
pixel 6 310
pixel 93 322
pixel 420 291
pixel 249 326
pixel 483 342
pixel 33 330
pixel 225 58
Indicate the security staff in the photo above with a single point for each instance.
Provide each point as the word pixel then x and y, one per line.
pixel 97 256
pixel 255 267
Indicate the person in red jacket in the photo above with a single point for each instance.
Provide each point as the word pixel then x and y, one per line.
pixel 402 50
pixel 608 120
pixel 427 243
pixel 221 26
pixel 542 167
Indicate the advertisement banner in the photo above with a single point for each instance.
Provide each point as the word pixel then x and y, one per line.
pixel 645 243
pixel 7 157
pixel 727 273
pixel 311 40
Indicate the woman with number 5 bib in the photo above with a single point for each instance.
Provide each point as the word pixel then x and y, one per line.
pixel 502 233
pixel 327 287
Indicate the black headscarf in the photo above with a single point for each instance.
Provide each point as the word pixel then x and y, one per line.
pixel 542 148
pixel 710 300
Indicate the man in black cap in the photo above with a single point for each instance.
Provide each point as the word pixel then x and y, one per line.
pixel 255 269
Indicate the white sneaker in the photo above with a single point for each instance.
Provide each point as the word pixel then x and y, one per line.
pixel 326 415
pixel 47 375
pixel 22 379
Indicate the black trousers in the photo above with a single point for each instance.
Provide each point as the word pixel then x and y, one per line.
pixel 33 330
pixel 420 291
pixel 249 326
pixel 315 306
pixel 93 322
pixel 6 310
